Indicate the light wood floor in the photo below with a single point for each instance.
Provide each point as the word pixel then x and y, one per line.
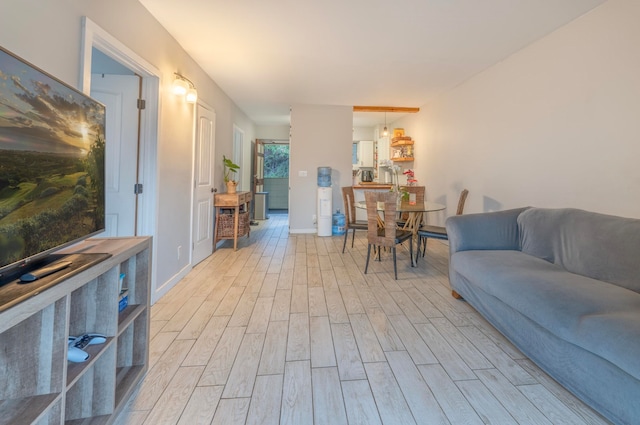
pixel 288 330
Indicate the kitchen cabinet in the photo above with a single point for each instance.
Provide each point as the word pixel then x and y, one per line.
pixel 365 154
pixel 383 149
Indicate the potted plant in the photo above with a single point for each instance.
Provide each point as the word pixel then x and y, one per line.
pixel 230 167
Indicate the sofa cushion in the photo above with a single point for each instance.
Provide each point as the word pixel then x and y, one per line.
pixel 594 315
pixel 599 246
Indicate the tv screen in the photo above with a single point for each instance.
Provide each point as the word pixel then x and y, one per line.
pixel 52 153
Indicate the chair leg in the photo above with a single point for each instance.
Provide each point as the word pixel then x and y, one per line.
pixel 379 249
pixel 424 246
pixel 395 266
pixel 344 244
pixel 411 251
pixel 353 238
pixel 366 266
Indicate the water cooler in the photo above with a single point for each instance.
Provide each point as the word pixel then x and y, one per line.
pixel 325 201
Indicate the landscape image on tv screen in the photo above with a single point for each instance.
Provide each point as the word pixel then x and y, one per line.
pixel 52 149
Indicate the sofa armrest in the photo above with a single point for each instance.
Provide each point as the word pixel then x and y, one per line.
pixel 484 231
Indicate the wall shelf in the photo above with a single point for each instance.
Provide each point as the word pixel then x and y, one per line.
pixel 401 149
pixel 403 142
pixel 39 385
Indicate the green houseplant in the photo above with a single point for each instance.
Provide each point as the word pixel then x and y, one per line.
pixel 229 168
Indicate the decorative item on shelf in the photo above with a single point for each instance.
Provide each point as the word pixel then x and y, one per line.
pixel 123 297
pixel 402 148
pixel 230 167
pixel 398 132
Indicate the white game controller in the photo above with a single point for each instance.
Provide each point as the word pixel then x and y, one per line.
pixel 77 355
pixel 86 339
pixel 75 352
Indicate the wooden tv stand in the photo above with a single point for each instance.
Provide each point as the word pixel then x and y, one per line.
pixel 39 386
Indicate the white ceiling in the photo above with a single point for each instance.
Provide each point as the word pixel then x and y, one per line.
pixel 268 55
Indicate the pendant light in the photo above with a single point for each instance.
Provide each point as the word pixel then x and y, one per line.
pixel 385 132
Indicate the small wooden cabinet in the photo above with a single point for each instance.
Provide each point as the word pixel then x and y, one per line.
pixel 233 224
pixel 39 386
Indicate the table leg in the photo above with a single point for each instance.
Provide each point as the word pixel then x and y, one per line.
pixel 236 220
pixel 215 228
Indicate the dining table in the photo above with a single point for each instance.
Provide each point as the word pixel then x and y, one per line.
pixel 415 212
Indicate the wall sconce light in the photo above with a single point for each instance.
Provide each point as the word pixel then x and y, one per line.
pixel 182 86
pixel 191 96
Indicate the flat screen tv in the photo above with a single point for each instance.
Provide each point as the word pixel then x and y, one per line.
pixel 52 153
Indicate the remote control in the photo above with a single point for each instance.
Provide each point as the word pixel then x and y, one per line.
pixel 45 271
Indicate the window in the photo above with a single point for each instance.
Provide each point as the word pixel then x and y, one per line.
pixel 276 161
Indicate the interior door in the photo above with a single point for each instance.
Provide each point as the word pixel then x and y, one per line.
pixel 258 166
pixel 120 94
pixel 203 184
pixel 238 150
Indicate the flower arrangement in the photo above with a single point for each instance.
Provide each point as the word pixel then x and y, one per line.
pixel 411 181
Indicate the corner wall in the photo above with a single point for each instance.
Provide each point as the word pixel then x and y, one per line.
pixel 320 137
pixel 554 125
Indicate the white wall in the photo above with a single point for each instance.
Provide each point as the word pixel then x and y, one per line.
pixel 272 132
pixel 320 137
pixel 363 133
pixel 555 125
pixel 48 34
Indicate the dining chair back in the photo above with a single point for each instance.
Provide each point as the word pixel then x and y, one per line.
pixel 350 216
pixel 462 201
pixel 419 191
pixel 438 232
pixel 388 236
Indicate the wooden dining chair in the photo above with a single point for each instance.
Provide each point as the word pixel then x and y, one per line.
pixel 437 232
pixel 420 195
pixel 350 216
pixel 389 236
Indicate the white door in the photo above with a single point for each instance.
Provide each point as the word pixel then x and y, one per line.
pixel 119 93
pixel 203 184
pixel 238 152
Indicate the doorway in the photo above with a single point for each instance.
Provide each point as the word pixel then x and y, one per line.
pixel 95 39
pixel 276 175
pixel 238 153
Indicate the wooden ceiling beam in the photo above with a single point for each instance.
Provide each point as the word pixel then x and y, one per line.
pixel 400 109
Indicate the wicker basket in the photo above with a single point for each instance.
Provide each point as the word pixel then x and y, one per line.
pixel 226 222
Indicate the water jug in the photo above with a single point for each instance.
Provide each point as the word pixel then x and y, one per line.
pixel 324 176
pixel 339 223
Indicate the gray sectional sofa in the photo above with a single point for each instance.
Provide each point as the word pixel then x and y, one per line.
pixel 564 286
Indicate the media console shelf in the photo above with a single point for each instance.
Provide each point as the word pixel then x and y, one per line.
pixel 39 386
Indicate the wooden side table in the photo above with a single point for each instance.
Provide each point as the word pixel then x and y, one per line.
pixel 231 226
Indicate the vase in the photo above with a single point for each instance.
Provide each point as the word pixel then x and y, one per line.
pixel 231 186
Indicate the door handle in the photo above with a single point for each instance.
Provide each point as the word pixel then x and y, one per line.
pixel 214 189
